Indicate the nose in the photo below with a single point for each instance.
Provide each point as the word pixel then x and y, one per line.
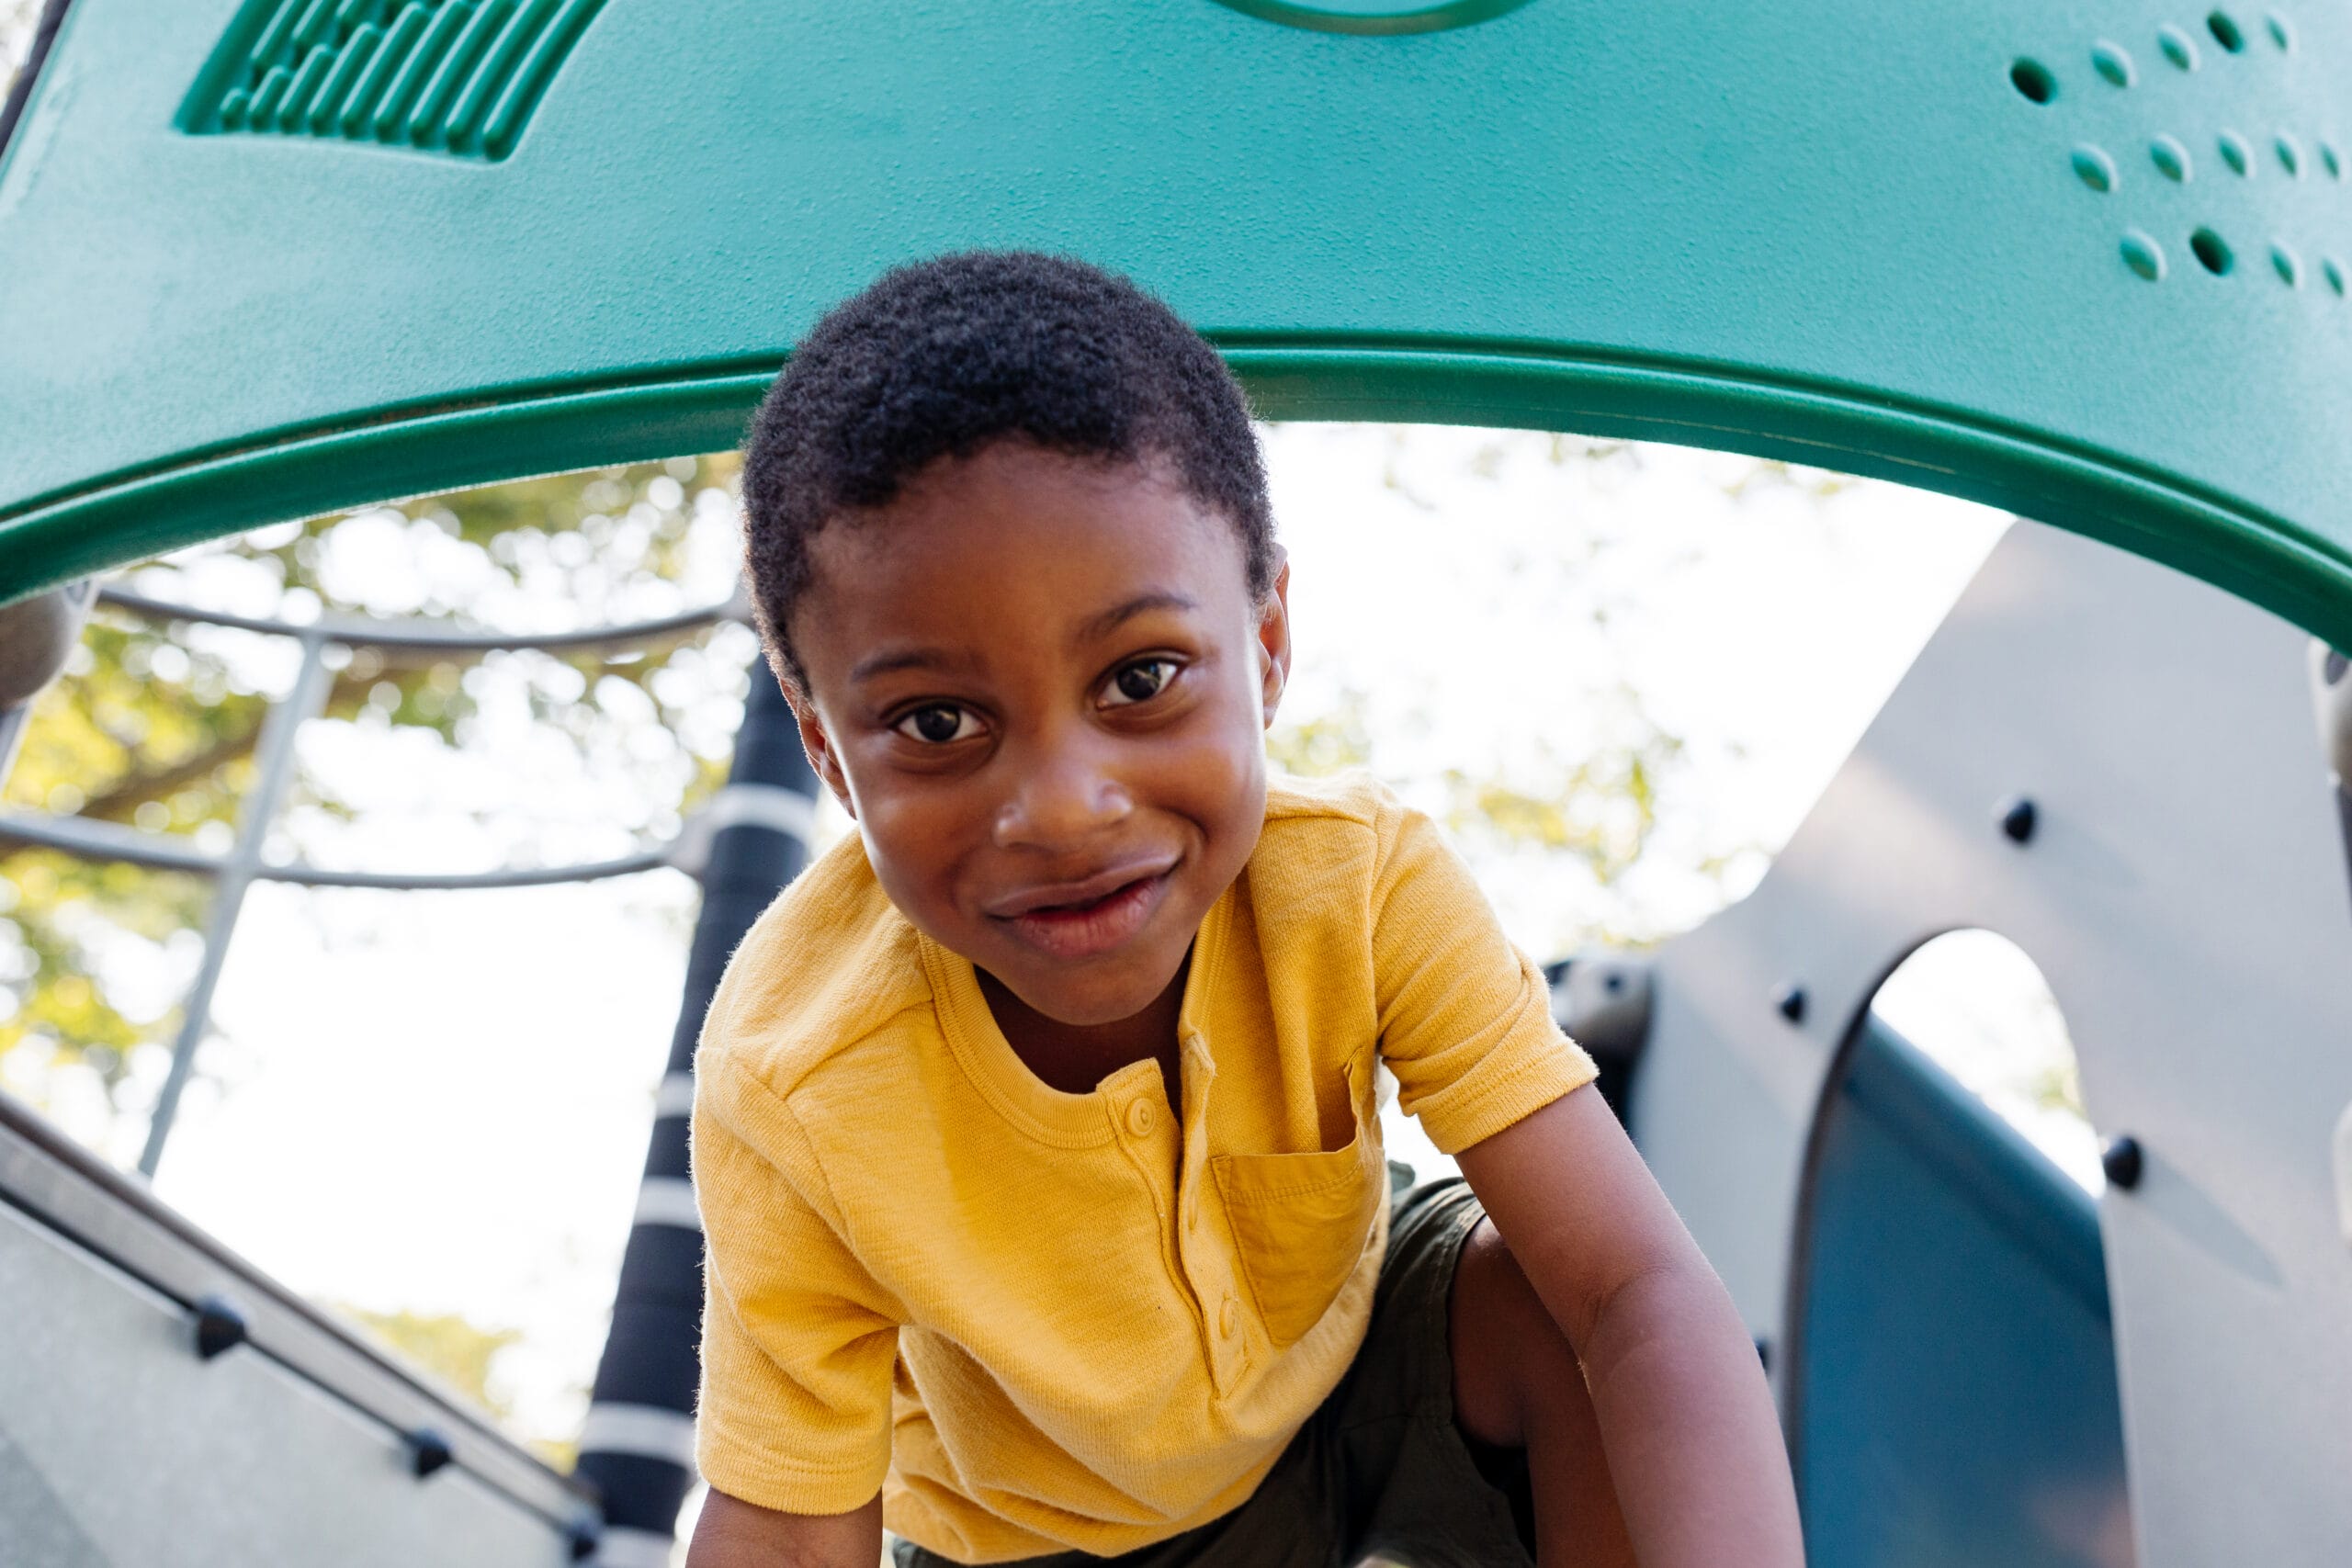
pixel 1064 793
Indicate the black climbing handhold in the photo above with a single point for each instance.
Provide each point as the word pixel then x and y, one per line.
pixel 428 1451
pixel 1790 999
pixel 2122 1161
pixel 2018 817
pixel 583 1536
pixel 219 1327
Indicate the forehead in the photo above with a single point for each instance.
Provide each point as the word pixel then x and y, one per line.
pixel 1010 543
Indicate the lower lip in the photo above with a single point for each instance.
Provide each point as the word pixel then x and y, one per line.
pixel 1092 930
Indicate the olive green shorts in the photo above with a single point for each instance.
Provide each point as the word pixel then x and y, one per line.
pixel 1380 1471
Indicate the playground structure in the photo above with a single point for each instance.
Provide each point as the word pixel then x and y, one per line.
pixel 264 259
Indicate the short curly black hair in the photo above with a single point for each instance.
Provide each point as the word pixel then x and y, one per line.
pixel 943 357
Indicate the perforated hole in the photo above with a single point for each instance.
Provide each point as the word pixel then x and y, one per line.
pixel 2093 167
pixel 2171 159
pixel 2287 265
pixel 2225 32
pixel 2235 152
pixel 2143 255
pixel 2109 61
pixel 2330 161
pixel 2178 47
pixel 2280 32
pixel 2290 154
pixel 2333 270
pixel 2212 253
pixel 2033 79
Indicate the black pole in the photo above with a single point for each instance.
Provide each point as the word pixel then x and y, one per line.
pixel 636 1446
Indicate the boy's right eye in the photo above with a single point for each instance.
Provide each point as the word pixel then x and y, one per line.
pixel 938 724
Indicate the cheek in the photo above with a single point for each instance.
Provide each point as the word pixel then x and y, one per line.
pixel 915 842
pixel 1219 772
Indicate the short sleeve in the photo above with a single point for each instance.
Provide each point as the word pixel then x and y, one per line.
pixel 798 1340
pixel 1465 1018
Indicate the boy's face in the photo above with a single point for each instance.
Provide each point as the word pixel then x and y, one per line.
pixel 1041 685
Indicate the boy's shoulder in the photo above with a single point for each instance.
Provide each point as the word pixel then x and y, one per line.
pixel 830 964
pixel 1347 816
pixel 1354 797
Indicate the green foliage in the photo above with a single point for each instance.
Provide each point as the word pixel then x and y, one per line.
pixel 463 1356
pixel 1323 743
pixel 154 725
pixel 1600 809
pixel 62 919
pixel 452 1348
pixel 2059 1086
pixel 138 721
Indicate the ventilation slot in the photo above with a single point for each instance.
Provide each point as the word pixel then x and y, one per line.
pixel 454 76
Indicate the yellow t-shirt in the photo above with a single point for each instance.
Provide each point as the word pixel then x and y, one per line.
pixel 1039 1321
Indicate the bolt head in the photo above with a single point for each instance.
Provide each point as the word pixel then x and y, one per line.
pixel 2122 1162
pixel 220 1325
pixel 2019 819
pixel 428 1451
pixel 1790 1002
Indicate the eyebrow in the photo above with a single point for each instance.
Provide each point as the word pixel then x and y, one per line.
pixel 904 658
pixel 891 662
pixel 1111 620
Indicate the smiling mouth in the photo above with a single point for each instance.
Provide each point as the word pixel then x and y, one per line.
pixel 1093 923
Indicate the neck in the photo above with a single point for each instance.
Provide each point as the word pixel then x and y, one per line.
pixel 1074 1057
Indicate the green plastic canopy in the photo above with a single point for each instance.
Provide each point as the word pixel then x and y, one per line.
pixel 263 258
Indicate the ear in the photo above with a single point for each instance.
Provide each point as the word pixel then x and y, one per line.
pixel 1273 637
pixel 822 760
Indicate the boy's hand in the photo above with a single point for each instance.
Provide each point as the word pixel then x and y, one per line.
pixel 736 1534
pixel 1686 1417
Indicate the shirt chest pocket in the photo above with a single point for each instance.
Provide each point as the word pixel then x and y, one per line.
pixel 1300 1222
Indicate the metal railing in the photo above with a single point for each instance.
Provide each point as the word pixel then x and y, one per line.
pixel 235 870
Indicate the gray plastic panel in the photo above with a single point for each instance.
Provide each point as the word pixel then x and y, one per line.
pixel 119 1446
pixel 2184 895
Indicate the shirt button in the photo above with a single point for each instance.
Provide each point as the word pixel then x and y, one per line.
pixel 1228 1317
pixel 1140 1118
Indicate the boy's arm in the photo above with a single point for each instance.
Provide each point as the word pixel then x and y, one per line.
pixel 1686 1417
pixel 733 1533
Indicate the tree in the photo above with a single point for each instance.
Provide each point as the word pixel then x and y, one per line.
pixel 153 725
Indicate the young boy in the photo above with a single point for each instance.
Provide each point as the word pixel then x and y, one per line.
pixel 1035 1134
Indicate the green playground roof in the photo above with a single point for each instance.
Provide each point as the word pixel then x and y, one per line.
pixel 261 258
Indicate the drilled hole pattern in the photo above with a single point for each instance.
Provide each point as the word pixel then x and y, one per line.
pixel 2277 195
pixel 460 77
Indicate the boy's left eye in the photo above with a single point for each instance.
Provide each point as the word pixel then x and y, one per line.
pixel 938 724
pixel 1139 681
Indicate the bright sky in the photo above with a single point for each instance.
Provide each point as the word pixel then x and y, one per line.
pixel 439 1102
